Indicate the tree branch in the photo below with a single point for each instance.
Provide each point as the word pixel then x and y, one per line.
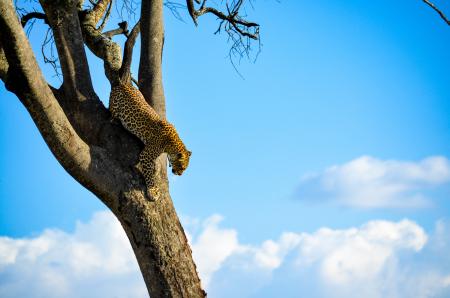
pixel 33 15
pixel 99 9
pixel 152 43
pixel 94 167
pixel 63 19
pixel 240 32
pixel 101 45
pixel 233 19
pixel 123 29
pixel 125 72
pixel 106 17
pixel 85 111
pixel 438 11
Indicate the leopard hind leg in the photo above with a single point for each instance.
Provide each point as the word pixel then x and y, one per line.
pixel 147 167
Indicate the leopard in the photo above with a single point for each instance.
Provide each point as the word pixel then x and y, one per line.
pixel 127 104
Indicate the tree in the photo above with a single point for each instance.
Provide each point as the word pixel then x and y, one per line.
pixel 97 152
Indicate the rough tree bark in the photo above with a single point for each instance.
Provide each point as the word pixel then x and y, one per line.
pixel 98 153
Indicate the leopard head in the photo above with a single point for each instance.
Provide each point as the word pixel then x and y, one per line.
pixel 179 161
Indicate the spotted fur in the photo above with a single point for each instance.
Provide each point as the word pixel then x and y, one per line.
pixel 127 104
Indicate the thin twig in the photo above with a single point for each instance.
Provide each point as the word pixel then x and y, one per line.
pixel 240 32
pixel 130 7
pixel 173 7
pixel 52 59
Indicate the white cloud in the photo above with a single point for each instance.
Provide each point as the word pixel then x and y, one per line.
pixel 94 261
pixel 271 254
pixel 367 182
pixel 358 254
pixel 377 259
pixel 212 247
pixel 446 281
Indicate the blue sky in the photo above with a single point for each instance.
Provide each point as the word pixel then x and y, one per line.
pixel 342 123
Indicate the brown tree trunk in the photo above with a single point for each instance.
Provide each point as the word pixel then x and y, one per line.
pixel 177 271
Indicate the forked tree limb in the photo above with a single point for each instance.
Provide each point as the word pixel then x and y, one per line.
pixel 102 46
pixel 27 81
pixel 87 114
pixel 63 20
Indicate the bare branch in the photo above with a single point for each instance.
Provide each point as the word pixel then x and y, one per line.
pixel 101 44
pixel 125 73
pixel 438 11
pixel 241 33
pixel 106 17
pixel 114 32
pixel 123 29
pixel 234 21
pixel 98 11
pixel 33 15
pixel 52 58
pixel 173 7
pixel 130 8
pixel 64 22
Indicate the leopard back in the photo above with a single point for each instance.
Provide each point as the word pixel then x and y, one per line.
pixel 127 104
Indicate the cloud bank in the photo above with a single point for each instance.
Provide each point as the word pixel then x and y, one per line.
pixel 377 259
pixel 367 182
pixel 96 260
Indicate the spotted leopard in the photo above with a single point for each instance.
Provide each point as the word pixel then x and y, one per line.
pixel 127 104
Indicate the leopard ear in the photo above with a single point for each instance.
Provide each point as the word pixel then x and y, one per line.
pixel 189 153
